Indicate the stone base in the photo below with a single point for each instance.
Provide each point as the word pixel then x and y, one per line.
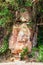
pixel 21 63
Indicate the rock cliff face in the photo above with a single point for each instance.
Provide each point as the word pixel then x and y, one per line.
pixel 22 35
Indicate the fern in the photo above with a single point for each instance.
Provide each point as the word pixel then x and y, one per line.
pixel 4 12
pixel 4 47
pixel 24 53
pixel 28 3
pixel 40 57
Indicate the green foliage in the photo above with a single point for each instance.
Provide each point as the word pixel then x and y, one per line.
pixel 10 1
pixel 40 44
pixel 4 47
pixel 40 8
pixel 13 3
pixel 34 49
pixel 4 11
pixel 20 2
pixel 40 36
pixel 28 3
pixel 40 57
pixel 5 19
pixel 24 53
pixel 5 16
pixel 22 10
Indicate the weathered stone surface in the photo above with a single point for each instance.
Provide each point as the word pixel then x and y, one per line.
pixel 20 39
pixel 25 16
pixel 21 63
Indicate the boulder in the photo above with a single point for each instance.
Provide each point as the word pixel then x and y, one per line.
pixel 20 39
